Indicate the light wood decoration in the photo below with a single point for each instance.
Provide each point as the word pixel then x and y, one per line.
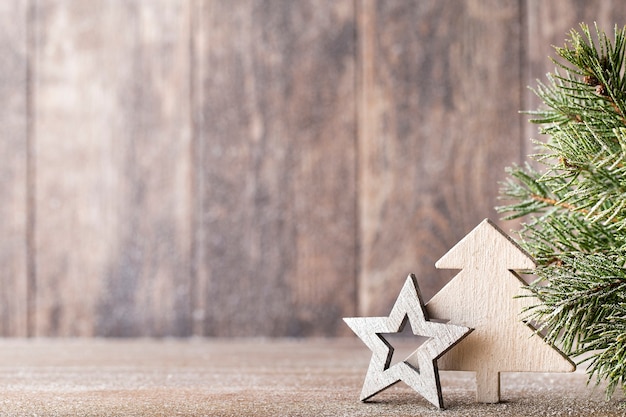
pixel 483 296
pixel 421 374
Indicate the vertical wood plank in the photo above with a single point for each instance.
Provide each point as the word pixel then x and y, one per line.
pixel 277 243
pixel 439 122
pixel 13 167
pixel 113 168
pixel 549 24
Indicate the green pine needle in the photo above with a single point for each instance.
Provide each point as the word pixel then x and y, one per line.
pixel 573 202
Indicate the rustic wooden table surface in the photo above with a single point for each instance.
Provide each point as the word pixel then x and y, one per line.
pixel 204 377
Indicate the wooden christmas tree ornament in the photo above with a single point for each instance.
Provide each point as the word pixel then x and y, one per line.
pixel 423 378
pixel 483 296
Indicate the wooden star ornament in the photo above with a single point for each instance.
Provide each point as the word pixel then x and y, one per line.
pixel 423 378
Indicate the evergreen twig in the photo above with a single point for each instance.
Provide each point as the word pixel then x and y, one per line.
pixel 574 204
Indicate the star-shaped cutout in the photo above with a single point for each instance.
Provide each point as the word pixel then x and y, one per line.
pixel 425 377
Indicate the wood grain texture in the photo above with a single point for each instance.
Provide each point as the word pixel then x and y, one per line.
pixel 438 124
pixel 419 371
pixel 276 244
pixel 487 296
pixel 548 25
pixel 13 167
pixel 113 168
pixel 252 377
pixel 253 168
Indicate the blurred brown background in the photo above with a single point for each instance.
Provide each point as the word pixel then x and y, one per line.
pixel 253 168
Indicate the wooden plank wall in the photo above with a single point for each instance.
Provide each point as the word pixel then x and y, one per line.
pixel 14 146
pixel 276 90
pixel 113 170
pixel 253 168
pixel 437 132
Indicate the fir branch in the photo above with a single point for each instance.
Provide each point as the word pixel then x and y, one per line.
pixel 555 203
pixel 574 208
